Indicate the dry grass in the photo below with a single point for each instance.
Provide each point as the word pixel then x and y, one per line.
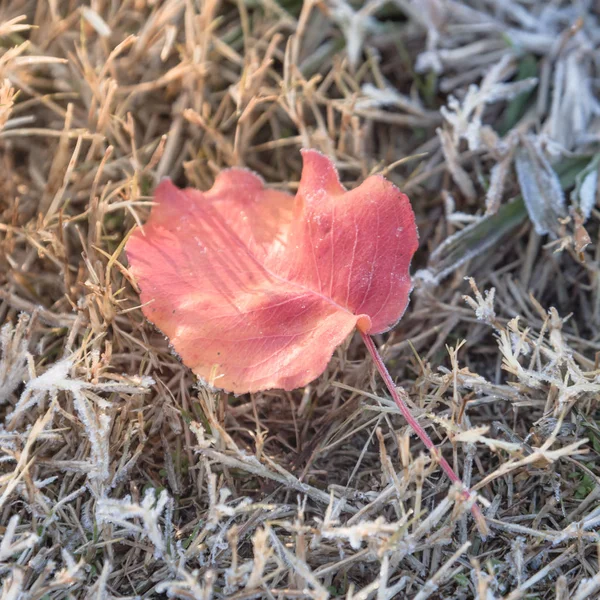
pixel 121 478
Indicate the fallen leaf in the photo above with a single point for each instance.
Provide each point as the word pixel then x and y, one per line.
pixel 255 288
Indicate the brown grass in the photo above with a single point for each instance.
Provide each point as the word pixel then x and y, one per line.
pixel 120 477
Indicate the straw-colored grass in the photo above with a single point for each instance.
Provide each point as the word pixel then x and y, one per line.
pixel 121 477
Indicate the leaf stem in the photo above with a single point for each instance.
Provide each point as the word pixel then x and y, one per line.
pixel 403 407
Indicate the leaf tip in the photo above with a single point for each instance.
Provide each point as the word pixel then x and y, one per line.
pixel 319 173
pixel 165 189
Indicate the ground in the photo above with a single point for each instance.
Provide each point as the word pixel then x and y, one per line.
pixel 120 476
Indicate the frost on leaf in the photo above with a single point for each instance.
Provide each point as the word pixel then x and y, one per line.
pixel 585 194
pixel 541 189
pixel 255 288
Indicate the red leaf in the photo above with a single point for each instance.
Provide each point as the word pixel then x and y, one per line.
pixel 255 289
